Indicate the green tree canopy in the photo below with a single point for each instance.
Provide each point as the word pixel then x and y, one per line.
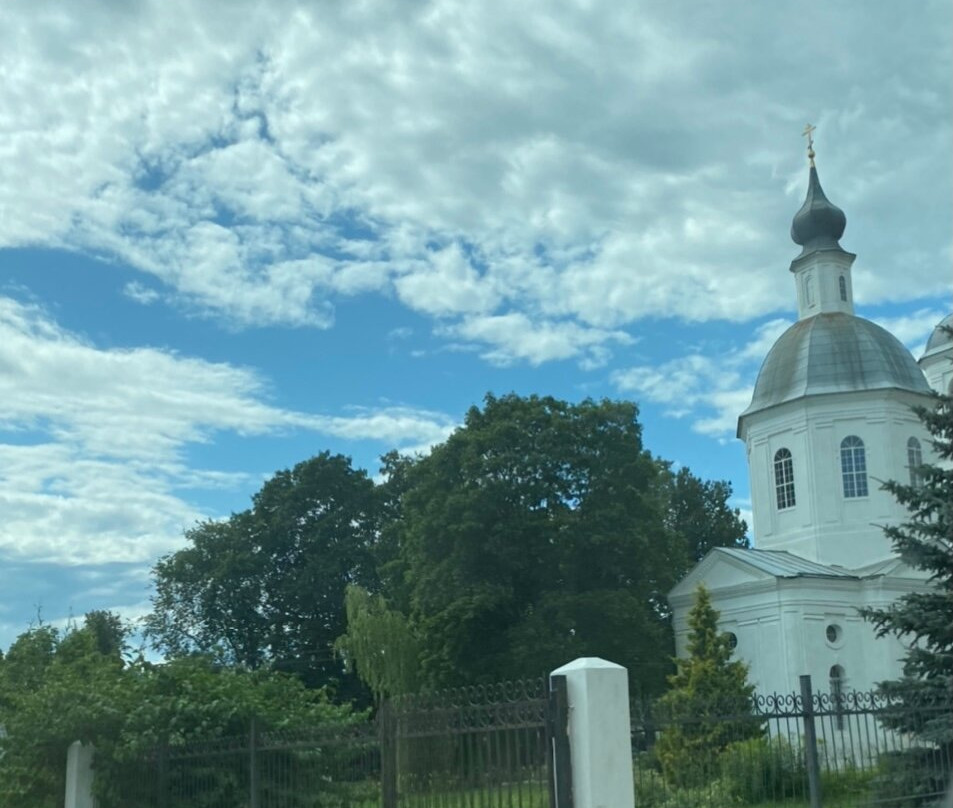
pixel 698 511
pixel 538 532
pixel 265 588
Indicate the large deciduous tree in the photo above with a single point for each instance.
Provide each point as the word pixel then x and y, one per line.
pixel 924 620
pixel 265 588
pixel 698 511
pixel 538 532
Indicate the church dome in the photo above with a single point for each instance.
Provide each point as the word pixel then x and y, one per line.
pixel 940 339
pixel 819 224
pixel 834 353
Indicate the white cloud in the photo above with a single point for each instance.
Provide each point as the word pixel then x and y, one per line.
pixel 600 163
pixel 515 337
pixel 97 439
pixel 447 284
pixel 710 388
pixel 913 330
pixel 141 293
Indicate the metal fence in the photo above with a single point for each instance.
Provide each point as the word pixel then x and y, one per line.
pixel 813 749
pixel 480 747
pixel 494 747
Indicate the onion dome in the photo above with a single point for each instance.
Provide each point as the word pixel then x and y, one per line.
pixel 940 339
pixel 819 223
pixel 834 353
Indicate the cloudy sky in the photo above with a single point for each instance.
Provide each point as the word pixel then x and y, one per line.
pixel 233 235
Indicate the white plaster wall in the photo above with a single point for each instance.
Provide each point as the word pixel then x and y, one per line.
pixel 822 270
pixel 781 630
pixel 938 368
pixel 824 525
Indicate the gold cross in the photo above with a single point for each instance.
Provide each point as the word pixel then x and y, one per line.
pixel 809 131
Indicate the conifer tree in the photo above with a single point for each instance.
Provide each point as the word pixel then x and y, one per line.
pixel 924 620
pixel 709 704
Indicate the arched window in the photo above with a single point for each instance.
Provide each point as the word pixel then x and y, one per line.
pixel 853 466
pixel 809 290
pixel 838 682
pixel 842 284
pixel 784 478
pixel 914 461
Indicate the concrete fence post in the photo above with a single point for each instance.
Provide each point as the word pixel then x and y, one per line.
pixel 599 733
pixel 79 776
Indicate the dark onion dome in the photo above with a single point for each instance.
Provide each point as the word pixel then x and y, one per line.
pixel 940 339
pixel 834 353
pixel 819 223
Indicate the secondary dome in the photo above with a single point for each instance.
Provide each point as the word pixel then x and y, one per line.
pixel 834 353
pixel 940 339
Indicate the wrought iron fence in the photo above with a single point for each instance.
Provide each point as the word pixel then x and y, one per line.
pixel 480 747
pixel 493 747
pixel 334 767
pixel 813 749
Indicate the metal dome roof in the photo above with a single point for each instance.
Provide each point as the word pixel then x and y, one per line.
pixel 940 339
pixel 819 223
pixel 834 353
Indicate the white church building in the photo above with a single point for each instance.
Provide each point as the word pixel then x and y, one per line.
pixel 830 419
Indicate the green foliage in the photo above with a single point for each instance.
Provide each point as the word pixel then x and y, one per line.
pixel 925 619
pixel 652 791
pixel 708 705
pixel 379 645
pixel 265 588
pixel 538 532
pixel 763 769
pixel 58 687
pixel 698 512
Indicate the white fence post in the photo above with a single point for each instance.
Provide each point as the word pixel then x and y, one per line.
pixel 599 733
pixel 79 776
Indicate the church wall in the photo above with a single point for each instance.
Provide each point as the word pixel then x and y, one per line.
pixel 781 631
pixel 824 525
pixel 938 368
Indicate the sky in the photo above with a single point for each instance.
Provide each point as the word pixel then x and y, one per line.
pixel 234 235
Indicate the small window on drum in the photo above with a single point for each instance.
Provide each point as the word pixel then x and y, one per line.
pixel 731 639
pixel 842 285
pixel 784 479
pixel 914 461
pixel 838 684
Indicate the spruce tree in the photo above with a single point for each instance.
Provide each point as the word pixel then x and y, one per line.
pixel 924 620
pixel 709 703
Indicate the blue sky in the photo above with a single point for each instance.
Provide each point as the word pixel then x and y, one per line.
pixel 235 235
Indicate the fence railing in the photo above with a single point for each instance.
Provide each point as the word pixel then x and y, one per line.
pixel 810 749
pixel 481 747
pixel 492 747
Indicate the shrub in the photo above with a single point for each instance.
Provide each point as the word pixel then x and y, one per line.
pixel 709 704
pixel 760 769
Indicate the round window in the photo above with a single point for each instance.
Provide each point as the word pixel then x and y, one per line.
pixel 732 640
pixel 834 633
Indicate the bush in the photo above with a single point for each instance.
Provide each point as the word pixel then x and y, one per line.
pixel 760 769
pixel 912 777
pixel 848 781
